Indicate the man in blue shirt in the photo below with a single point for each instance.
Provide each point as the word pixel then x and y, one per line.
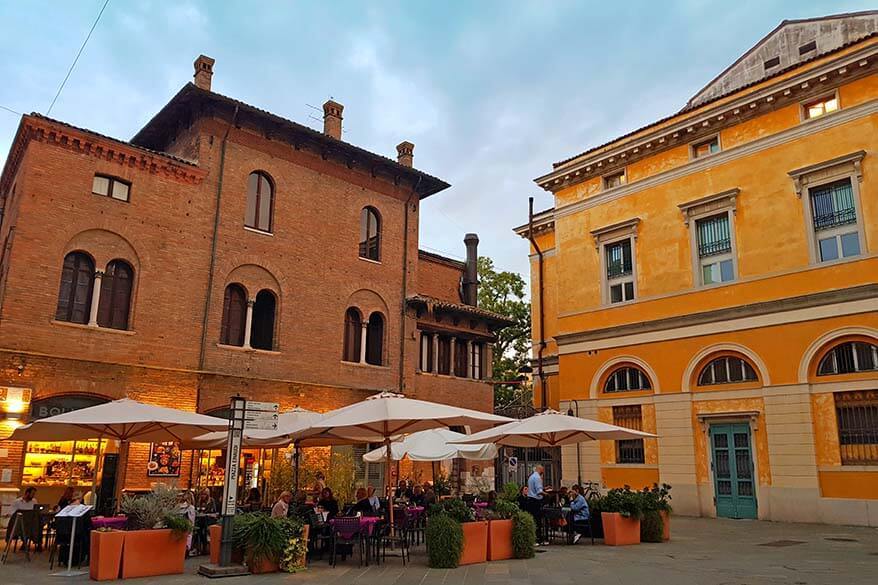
pixel 579 507
pixel 535 495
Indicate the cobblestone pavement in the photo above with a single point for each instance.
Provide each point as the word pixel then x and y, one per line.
pixel 701 551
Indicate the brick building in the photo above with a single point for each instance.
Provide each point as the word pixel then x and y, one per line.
pixel 223 250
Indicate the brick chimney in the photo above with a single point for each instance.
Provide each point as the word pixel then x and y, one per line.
pixel 405 153
pixel 203 71
pixel 332 119
pixel 471 271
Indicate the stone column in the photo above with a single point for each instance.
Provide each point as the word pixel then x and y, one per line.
pixel 95 298
pixel 435 353
pixel 363 333
pixel 248 323
pixel 451 349
pixel 469 359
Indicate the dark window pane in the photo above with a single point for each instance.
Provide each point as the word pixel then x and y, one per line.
pixel 619 261
pixel 616 293
pixel 252 195
pixel 850 245
pixel 260 202
pixel 115 300
pixel 833 205
pixel 828 249
pixel 75 291
pixel 370 234
pixel 262 329
pixel 713 235
pixel 352 327
pixel 375 340
pixel 727 270
pixel 629 291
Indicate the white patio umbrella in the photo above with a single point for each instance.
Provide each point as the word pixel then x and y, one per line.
pixel 432 445
pixel 387 416
pixel 124 420
pixel 287 422
pixel 551 429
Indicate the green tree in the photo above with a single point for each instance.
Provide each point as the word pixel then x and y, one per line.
pixel 503 292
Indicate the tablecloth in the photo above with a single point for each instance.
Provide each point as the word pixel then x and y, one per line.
pixel 367 525
pixel 117 522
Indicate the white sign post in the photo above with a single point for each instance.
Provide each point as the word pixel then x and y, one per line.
pixel 230 489
pixel 73 512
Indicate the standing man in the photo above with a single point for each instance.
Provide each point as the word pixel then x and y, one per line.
pixel 535 495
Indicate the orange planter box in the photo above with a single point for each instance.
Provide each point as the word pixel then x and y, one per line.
pixel 499 540
pixel 105 554
pixel 216 536
pixel 666 525
pixel 620 531
pixel 148 553
pixel 475 542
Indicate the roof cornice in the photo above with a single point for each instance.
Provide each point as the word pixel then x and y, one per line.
pixel 710 118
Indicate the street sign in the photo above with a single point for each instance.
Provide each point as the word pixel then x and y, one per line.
pixel 261 416
pixel 230 489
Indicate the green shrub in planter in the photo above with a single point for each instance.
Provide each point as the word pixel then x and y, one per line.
pixel 524 535
pixel 179 525
pixel 504 510
pixel 444 538
pixel 455 508
pixel 509 492
pixel 263 537
pixel 624 501
pixel 651 526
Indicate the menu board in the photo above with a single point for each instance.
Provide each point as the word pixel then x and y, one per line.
pixel 164 460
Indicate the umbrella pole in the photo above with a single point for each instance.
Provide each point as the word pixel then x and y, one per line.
pixel 121 476
pixel 296 461
pixel 94 475
pixel 389 455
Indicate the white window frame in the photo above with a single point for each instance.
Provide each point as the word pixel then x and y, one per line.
pixel 818 175
pixel 694 145
pixel 703 208
pixel 476 361
pixel 607 236
pixel 623 172
pixel 803 106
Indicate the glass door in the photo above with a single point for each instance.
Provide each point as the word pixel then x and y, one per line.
pixel 734 487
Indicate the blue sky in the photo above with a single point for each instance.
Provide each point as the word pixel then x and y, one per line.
pixel 490 92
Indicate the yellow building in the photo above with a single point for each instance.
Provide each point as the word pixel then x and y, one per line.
pixel 711 278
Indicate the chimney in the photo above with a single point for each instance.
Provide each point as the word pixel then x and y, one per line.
pixel 405 153
pixel 332 119
pixel 471 271
pixel 203 71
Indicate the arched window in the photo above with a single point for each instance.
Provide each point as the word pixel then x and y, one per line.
pixel 370 234
pixel 627 379
pixel 234 315
pixel 375 339
pixel 353 324
pixel 74 296
pixel 260 202
pixel 115 300
pixel 848 358
pixel 262 334
pixel 727 370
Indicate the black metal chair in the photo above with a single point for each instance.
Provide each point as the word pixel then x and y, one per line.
pixel 578 526
pixel 397 536
pixel 346 531
pixel 24 526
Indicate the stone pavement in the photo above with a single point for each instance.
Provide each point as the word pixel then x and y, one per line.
pixel 702 551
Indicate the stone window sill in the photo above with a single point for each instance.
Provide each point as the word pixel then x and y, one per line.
pixel 362 365
pixel 450 377
pixel 369 260
pixel 93 328
pixel 258 231
pixel 247 349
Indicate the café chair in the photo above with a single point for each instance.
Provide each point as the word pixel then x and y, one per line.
pixel 346 531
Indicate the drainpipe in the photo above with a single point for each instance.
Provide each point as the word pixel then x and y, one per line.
pixel 213 246
pixel 544 395
pixel 570 412
pixel 405 272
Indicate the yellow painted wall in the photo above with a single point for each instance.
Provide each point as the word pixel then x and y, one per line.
pixel 759 448
pixel 861 485
pixel 635 477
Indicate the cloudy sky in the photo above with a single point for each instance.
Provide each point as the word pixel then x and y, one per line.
pixel 490 92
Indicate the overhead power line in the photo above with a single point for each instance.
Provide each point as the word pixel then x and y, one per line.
pixel 72 65
pixel 2 107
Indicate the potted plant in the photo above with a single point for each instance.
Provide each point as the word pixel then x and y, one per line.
pixel 620 516
pixel 656 523
pixel 524 535
pixel 265 540
pixel 475 532
pixel 500 521
pixel 595 507
pixel 105 554
pixel 444 537
pixel 155 543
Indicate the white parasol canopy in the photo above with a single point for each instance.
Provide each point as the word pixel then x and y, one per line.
pixel 287 422
pixel 432 445
pixel 124 420
pixel 551 429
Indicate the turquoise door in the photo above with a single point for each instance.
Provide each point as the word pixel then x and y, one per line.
pixel 733 471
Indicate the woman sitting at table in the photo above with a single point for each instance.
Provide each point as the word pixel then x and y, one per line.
pixel 253 503
pixel 186 509
pixel 417 498
pixel 65 499
pixel 522 498
pixel 373 500
pixel 579 507
pixel 329 504
pixel 205 504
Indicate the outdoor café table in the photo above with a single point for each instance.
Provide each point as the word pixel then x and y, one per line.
pixel 480 505
pixel 116 522
pixel 367 526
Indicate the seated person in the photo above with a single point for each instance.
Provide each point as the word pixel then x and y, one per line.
pixel 363 506
pixel 253 503
pixel 65 499
pixel 523 499
pixel 205 504
pixel 25 502
pixel 579 507
pixel 429 498
pixel 417 497
pixel 328 502
pixel 373 499
pixel 281 508
pixel 563 496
